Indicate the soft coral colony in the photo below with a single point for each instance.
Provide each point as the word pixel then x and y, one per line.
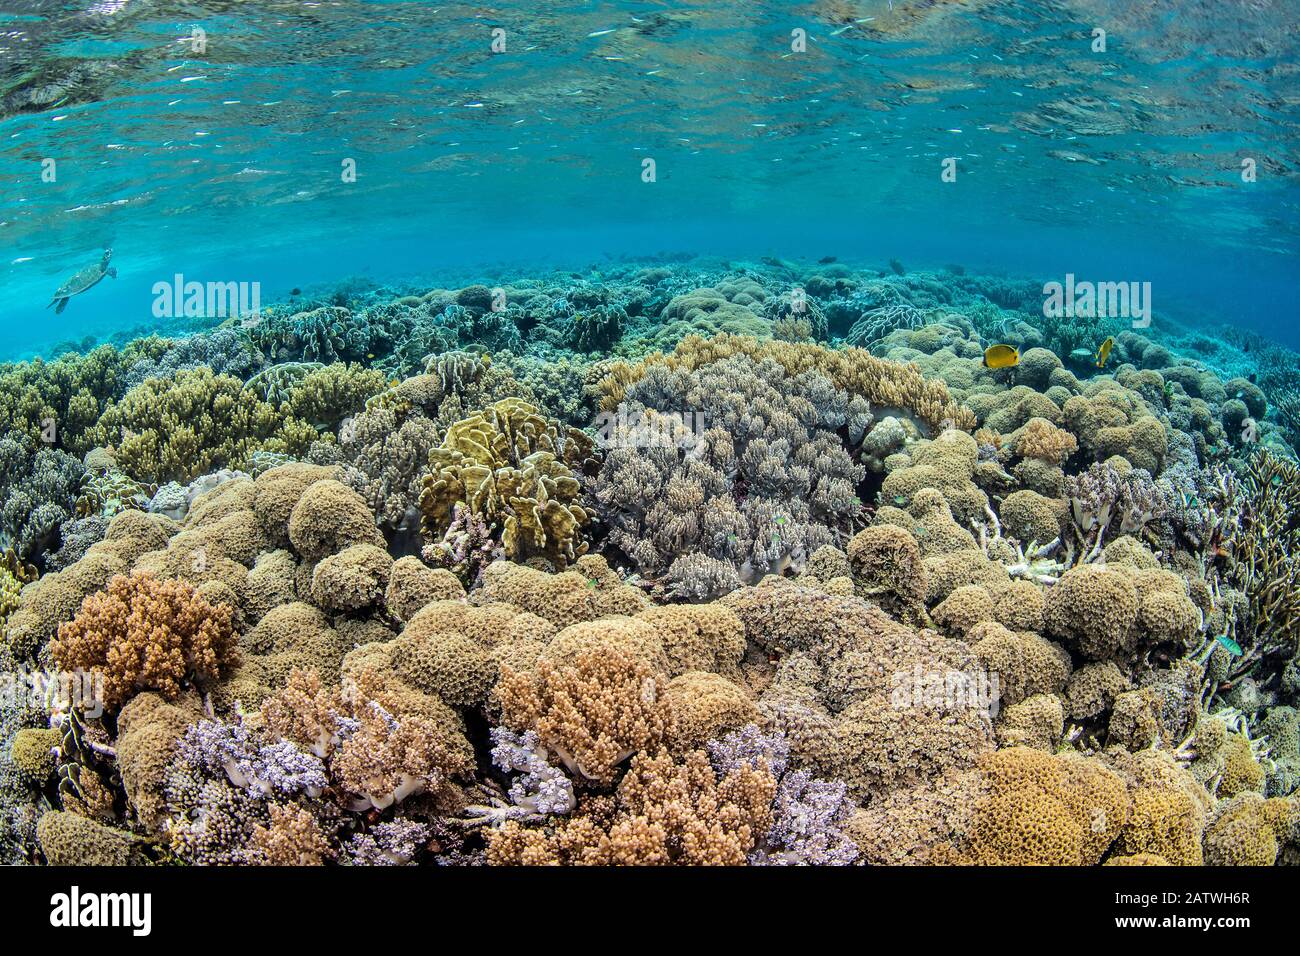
pixel 667 564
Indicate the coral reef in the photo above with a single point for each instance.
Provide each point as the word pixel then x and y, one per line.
pixel 678 563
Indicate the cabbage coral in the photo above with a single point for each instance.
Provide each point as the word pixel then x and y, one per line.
pixel 518 470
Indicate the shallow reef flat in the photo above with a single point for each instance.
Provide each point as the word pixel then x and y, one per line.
pixel 663 562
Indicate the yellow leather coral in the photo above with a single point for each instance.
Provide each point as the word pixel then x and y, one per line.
pixel 516 469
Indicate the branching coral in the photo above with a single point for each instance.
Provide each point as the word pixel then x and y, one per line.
pixel 39 486
pixel 593 714
pixel 663 813
pixel 144 633
pixel 754 474
pixel 884 384
pixel 1267 556
pixel 178 428
pixel 828 624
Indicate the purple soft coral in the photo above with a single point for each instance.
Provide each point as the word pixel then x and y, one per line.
pixel 541 791
pixel 806 813
pixel 279 767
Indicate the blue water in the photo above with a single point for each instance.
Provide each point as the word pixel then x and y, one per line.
pixel 226 164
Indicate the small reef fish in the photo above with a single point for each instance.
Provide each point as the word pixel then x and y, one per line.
pixel 1103 353
pixel 1001 356
pixel 1229 644
pixel 826 260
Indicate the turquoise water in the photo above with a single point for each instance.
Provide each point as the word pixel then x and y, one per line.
pixel 224 160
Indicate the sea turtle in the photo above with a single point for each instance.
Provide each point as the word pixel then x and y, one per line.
pixel 83 280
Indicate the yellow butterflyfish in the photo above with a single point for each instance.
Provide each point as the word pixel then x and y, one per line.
pixel 1001 356
pixel 1103 353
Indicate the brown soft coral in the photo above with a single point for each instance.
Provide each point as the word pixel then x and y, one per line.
pixel 887 569
pixel 144 633
pixel 664 813
pixel 1025 664
pixel 1031 518
pixel 1041 439
pixel 443 663
pixel 699 637
pixel 276 493
pixel 288 636
pixel 1036 722
pixel 1170 808
pixel 147 731
pixel 593 713
pixel 389 758
pixel 292 838
pixel 54 598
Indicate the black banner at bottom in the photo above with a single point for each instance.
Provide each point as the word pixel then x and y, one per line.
pixel 144 907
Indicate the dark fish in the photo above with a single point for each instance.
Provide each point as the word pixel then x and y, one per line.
pixel 1251 378
pixel 296 292
pixel 826 260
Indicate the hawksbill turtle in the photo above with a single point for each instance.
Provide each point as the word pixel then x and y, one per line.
pixel 83 280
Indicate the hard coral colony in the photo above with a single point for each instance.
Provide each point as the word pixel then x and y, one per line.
pixel 652 567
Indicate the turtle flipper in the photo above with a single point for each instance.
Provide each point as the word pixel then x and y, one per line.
pixel 63 304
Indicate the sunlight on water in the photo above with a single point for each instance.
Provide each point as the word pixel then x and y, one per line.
pixel 188 145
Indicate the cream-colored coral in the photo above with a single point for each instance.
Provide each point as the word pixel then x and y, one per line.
pixel 664 813
pixel 593 713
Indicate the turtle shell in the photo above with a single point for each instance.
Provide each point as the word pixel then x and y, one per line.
pixel 82 281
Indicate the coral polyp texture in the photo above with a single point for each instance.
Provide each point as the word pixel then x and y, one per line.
pixel 663 564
